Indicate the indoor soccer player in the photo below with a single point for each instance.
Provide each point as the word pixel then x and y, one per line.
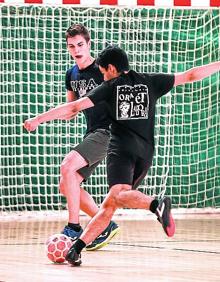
pixel 79 164
pixel 131 98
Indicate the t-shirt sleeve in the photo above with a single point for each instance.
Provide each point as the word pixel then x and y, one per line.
pixel 162 83
pixel 101 93
pixel 68 79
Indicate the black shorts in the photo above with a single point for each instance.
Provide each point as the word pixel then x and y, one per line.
pixel 93 149
pixel 125 168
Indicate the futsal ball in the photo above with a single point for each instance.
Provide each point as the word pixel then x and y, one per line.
pixel 57 247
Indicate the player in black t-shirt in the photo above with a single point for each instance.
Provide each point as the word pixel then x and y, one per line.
pixel 82 160
pixel 131 99
pixel 80 163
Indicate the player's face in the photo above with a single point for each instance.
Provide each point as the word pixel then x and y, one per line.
pixel 79 49
pixel 110 73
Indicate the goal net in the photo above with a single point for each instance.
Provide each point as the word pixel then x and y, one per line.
pixel 34 60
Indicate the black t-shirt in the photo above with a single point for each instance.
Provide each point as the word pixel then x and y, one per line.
pixel 81 82
pixel 131 100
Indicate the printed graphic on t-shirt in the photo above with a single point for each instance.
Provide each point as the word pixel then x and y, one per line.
pixel 132 102
pixel 83 86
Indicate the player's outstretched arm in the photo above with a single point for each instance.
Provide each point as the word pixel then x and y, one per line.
pixel 197 73
pixel 63 112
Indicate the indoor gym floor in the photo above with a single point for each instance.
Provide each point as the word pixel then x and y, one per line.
pixel 141 252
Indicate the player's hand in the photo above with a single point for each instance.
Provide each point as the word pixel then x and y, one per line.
pixel 31 124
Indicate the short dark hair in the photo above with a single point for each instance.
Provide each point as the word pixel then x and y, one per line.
pixel 78 29
pixel 115 56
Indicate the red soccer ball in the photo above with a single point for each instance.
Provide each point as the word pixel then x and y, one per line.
pixel 57 247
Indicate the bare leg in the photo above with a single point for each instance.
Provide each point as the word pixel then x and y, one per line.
pixel 119 196
pixel 87 203
pixel 70 187
pixel 134 199
pixel 101 220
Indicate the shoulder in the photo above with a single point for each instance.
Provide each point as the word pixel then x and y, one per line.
pixel 74 68
pixel 135 77
pixel 159 78
pixel 72 72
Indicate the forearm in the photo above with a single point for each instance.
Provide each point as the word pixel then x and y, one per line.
pixel 199 73
pixel 64 111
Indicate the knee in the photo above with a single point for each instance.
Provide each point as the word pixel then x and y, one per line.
pixel 118 202
pixel 64 168
pixel 121 197
pixel 108 210
pixel 67 166
pixel 109 205
pixel 114 199
pixel 72 163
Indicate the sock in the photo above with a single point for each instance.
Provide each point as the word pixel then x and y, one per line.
pixel 153 206
pixel 75 226
pixel 79 245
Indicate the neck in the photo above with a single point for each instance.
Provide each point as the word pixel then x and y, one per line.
pixel 87 63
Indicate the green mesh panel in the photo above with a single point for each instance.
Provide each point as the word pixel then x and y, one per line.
pixel 33 64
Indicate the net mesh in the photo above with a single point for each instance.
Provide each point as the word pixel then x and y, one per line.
pixel 34 60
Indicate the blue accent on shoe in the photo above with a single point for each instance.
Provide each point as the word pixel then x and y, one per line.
pixel 71 233
pixel 104 238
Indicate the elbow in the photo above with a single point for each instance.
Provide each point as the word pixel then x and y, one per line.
pixel 192 77
pixel 75 109
pixel 72 106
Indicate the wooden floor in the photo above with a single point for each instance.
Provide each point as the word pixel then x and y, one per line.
pixel 141 252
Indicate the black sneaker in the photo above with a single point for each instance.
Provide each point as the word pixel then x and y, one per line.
pixel 104 238
pixel 164 216
pixel 73 258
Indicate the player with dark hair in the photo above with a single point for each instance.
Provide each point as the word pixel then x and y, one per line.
pixel 80 163
pixel 131 145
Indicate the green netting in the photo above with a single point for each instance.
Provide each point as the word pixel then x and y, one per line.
pixel 33 64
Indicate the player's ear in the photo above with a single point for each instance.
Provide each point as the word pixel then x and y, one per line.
pixel 112 68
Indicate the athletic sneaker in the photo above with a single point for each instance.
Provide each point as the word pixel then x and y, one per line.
pixel 164 216
pixel 73 258
pixel 71 233
pixel 104 238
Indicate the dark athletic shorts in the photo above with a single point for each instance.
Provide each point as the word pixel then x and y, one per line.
pixel 124 168
pixel 93 148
